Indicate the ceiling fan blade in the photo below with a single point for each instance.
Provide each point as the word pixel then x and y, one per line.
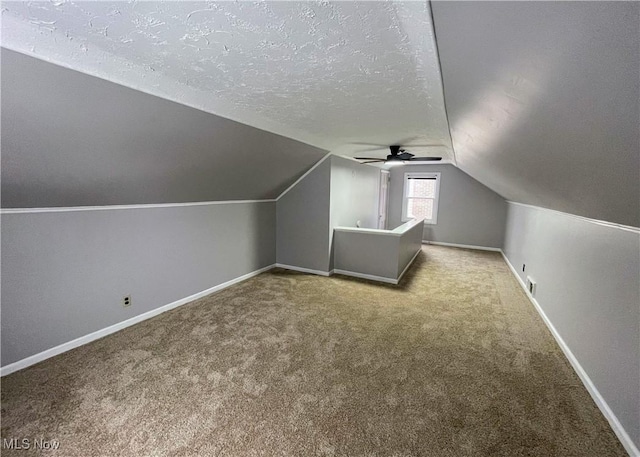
pixel 369 158
pixel 404 155
pixel 425 159
pixel 374 161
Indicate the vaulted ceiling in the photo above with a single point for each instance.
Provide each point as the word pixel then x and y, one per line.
pixel 69 139
pixel 543 101
pixel 325 73
pixel 541 97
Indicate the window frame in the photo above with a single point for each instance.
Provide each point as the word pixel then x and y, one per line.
pixel 436 198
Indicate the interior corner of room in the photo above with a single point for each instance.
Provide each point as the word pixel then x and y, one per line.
pixel 413 154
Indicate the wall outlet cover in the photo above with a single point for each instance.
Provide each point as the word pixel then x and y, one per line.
pixel 531 286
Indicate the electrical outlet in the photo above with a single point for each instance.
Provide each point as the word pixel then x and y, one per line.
pixel 531 286
pixel 126 301
pixel 523 266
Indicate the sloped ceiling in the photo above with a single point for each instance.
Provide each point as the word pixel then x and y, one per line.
pixel 326 73
pixel 542 97
pixel 70 139
pixel 543 101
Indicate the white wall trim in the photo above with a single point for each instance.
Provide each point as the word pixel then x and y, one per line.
pixel 397 232
pixel 64 209
pixel 304 175
pixel 370 231
pixel 628 228
pixel 304 270
pixel 365 276
pixel 615 424
pixel 464 246
pixel 409 264
pixel 31 360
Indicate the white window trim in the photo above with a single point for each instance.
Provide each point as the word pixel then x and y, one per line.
pixel 436 199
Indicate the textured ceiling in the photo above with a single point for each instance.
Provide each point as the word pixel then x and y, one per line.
pixel 326 73
pixel 542 99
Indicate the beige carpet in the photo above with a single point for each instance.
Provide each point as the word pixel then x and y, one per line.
pixel 452 362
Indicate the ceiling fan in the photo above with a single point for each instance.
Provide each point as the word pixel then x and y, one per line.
pixel 399 154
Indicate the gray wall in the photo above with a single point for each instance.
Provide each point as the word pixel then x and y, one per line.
pixel 69 139
pixel 64 274
pixel 542 99
pixel 303 221
pixel 354 193
pixel 373 254
pixel 338 192
pixel 468 212
pixel 410 243
pixel 377 252
pixel 587 284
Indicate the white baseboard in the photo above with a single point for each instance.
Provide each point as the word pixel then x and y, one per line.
pixel 304 270
pixel 615 424
pixel 464 246
pixel 31 360
pixel 365 276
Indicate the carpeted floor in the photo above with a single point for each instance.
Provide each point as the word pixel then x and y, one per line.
pixel 452 362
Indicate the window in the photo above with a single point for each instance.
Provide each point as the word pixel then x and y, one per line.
pixel 420 198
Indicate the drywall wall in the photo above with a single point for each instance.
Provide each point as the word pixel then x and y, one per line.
pixel 354 193
pixel 468 212
pixel 410 244
pixel 542 99
pixel 367 253
pixel 381 255
pixel 587 276
pixel 303 221
pixel 69 139
pixel 64 274
pixel 337 191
